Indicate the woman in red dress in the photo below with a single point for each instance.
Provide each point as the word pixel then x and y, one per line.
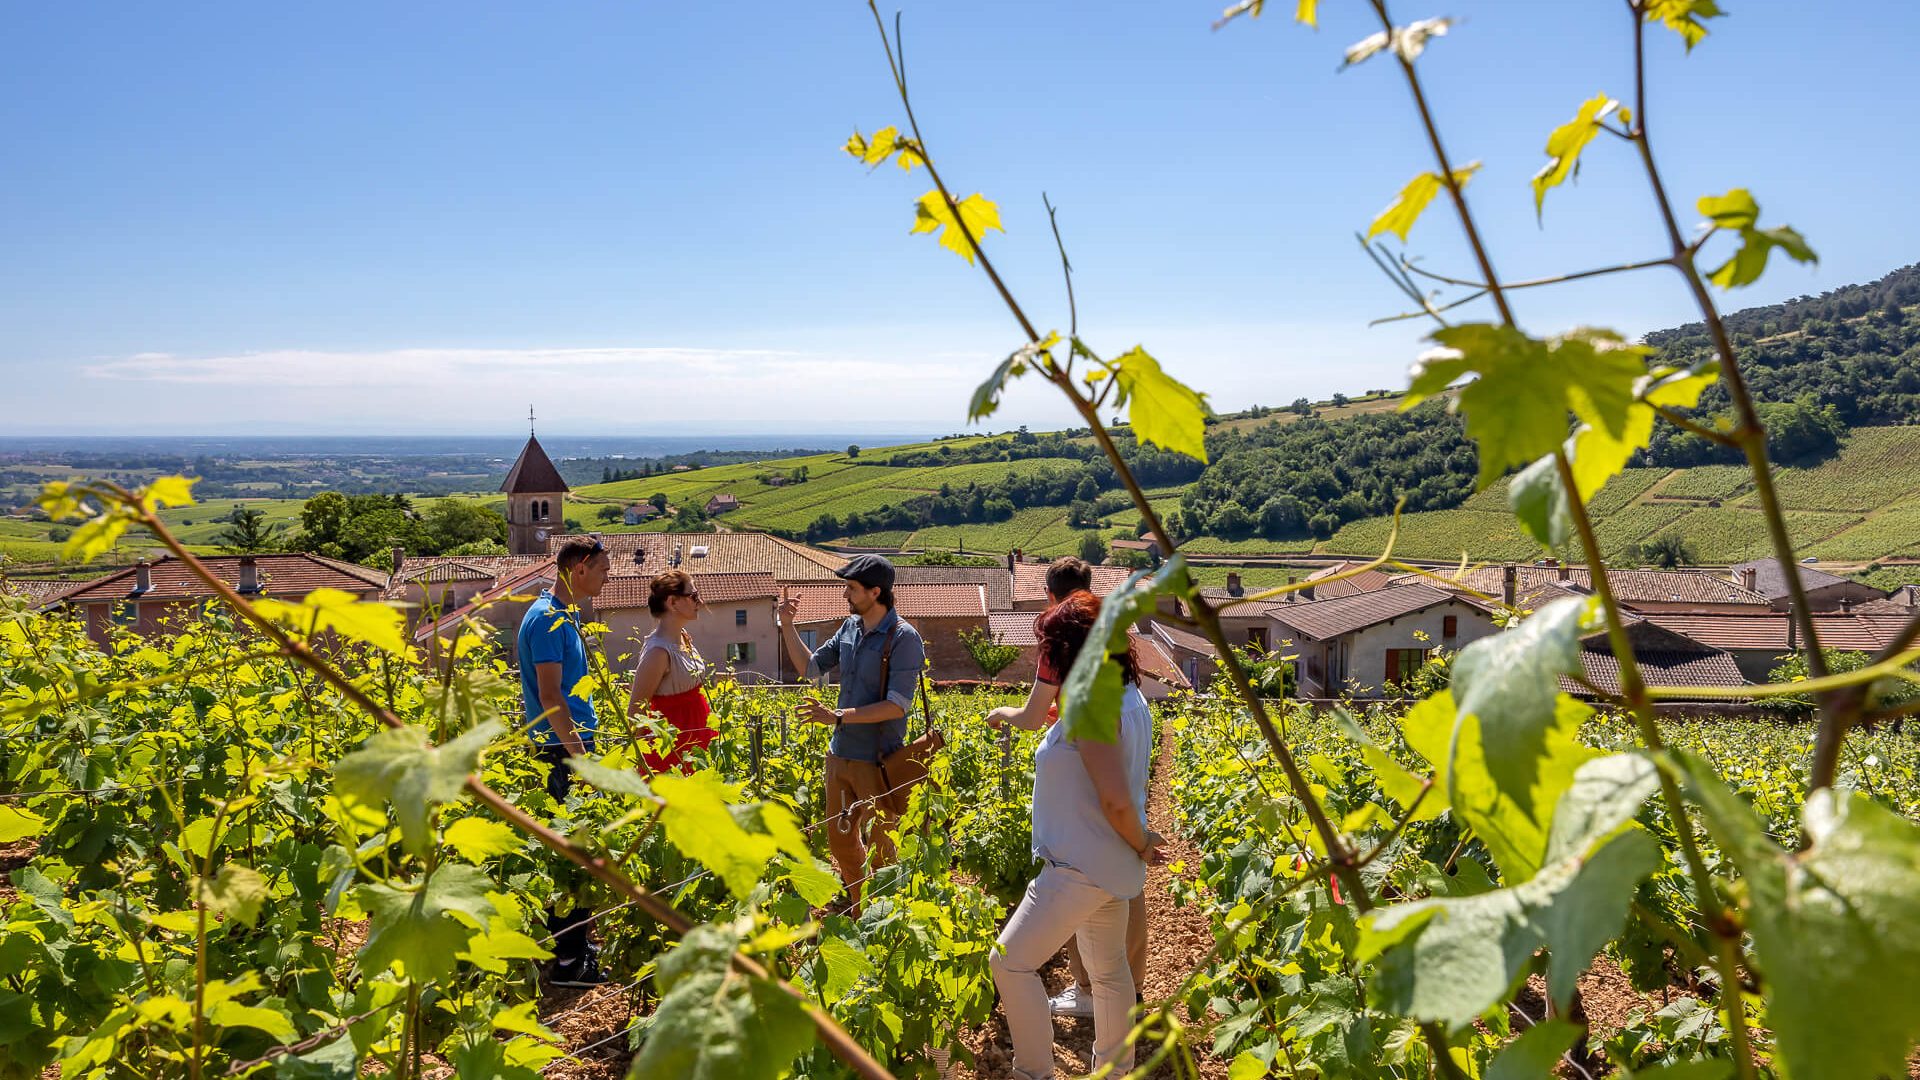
pixel 668 682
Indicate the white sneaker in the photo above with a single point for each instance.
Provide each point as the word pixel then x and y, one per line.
pixel 1072 1002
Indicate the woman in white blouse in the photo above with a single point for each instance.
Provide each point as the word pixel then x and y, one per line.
pixel 1090 829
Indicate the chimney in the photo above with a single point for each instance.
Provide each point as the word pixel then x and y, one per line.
pixel 1749 577
pixel 1290 597
pixel 1233 584
pixel 1564 573
pixel 1793 630
pixel 1846 605
pixel 142 578
pixel 249 575
pixel 399 558
pixel 1509 584
pixel 1306 593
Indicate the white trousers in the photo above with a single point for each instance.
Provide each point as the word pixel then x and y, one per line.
pixel 1061 903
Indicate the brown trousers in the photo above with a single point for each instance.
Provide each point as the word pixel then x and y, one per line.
pixel 1136 948
pixel 848 783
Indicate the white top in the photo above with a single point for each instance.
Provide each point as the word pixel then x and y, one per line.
pixel 1068 825
pixel 685 669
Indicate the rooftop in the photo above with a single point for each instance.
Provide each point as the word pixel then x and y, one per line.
pixel 1030 580
pixel 643 555
pixel 632 592
pixel 1772 583
pixel 292 574
pixel 1322 620
pixel 1861 632
pixel 827 601
pixel 1535 585
pixel 533 473
pixel 997 579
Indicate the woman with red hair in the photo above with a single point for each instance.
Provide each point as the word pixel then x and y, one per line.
pixel 1090 829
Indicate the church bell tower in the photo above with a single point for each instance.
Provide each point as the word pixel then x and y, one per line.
pixel 536 497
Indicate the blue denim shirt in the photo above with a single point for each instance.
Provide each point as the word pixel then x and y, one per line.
pixel 550 634
pixel 855 653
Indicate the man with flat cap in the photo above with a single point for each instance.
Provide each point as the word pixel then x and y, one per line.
pixel 879 657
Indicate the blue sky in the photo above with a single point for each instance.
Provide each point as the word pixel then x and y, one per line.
pixel 355 217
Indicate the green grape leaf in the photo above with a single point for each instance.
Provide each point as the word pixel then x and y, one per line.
pixel 1395 781
pixel 1814 915
pixel 1566 142
pixel 932 214
pixel 1708 1069
pixel 1750 261
pixel 1684 17
pixel 167 491
pixel 420 931
pixel 839 965
pixel 1090 695
pixel 715 1024
pixel 500 942
pixel 1511 682
pixel 229 1014
pixel 401 766
pixel 17 824
pixel 815 885
pixel 1538 495
pixel 1736 211
pixel 1535 1053
pixel 478 839
pixel 608 779
pixel 377 624
pixel 1606 794
pixel 1163 410
pixel 524 1019
pixel 986 397
pixel 701 822
pixel 1307 11
pixel 1406 207
pixel 1516 410
pixel 237 891
pixel 1450 959
pixel 1246 1067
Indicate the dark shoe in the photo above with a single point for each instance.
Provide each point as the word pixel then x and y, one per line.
pixel 580 974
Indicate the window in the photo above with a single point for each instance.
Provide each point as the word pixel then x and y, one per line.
pixel 807 639
pixel 740 652
pixel 1450 626
pixel 124 614
pixel 1402 663
pixel 1257 637
pixel 739 616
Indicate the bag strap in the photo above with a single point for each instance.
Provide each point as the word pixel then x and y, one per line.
pixel 886 673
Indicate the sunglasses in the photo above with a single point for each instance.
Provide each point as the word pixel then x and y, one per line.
pixel 598 547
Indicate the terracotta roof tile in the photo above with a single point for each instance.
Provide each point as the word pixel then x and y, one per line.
pixel 280 575
pixel 1659 667
pixel 643 555
pixel 1030 580
pixel 1535 585
pixel 1014 627
pixel 826 602
pixel 632 592
pixel 39 591
pixel 531 576
pixel 1325 619
pixel 1859 632
pixel 1771 582
pixel 997 579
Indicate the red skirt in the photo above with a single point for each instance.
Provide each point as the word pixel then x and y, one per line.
pixel 687 713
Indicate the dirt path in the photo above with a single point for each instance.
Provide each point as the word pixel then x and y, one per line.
pixel 1178 939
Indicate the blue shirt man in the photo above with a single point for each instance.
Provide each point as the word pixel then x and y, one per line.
pixel 550 634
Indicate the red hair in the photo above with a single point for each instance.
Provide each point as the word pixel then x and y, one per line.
pixel 1063 630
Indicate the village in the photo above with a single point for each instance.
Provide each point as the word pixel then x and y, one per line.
pixel 1349 631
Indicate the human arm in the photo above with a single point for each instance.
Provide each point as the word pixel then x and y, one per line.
pixel 646 680
pixel 823 659
pixel 1106 767
pixel 553 706
pixel 878 712
pixel 1031 716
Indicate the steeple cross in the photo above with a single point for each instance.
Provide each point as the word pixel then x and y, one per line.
pixel 529 420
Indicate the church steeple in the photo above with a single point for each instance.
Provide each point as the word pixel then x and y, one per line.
pixel 536 497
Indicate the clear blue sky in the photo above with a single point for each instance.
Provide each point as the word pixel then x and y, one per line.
pixel 351 217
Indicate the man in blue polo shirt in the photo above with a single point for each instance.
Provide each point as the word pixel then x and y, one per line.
pixel 871 718
pixel 553 661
